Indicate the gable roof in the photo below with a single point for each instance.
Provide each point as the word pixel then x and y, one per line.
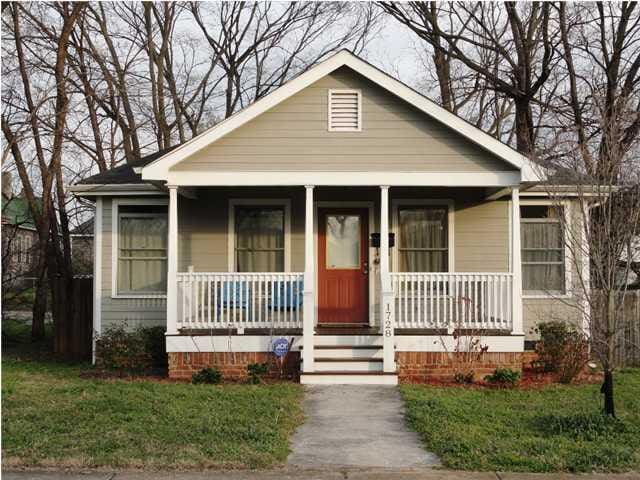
pixel 159 169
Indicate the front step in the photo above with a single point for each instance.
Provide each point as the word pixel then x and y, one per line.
pixel 357 364
pixel 349 378
pixel 349 351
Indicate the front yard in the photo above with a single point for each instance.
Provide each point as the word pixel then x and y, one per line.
pixel 52 417
pixel 556 428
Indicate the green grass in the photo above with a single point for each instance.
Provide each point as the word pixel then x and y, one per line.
pixel 53 417
pixel 558 428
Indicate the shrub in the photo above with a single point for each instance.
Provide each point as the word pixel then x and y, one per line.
pixel 504 377
pixel 126 351
pixel 211 376
pixel 460 377
pixel 122 350
pixel 562 349
pixel 155 345
pixel 256 371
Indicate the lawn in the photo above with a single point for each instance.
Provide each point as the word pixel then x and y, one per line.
pixel 52 417
pixel 557 428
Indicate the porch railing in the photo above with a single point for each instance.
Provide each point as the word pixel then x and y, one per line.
pixel 239 300
pixel 453 300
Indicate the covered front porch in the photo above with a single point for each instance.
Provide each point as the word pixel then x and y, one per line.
pixel 364 288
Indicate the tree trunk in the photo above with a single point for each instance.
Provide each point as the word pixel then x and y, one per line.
pixel 524 126
pixel 607 391
pixel 39 309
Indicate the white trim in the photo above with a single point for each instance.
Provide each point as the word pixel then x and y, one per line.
pixel 433 343
pixel 97 277
pixel 568 270
pixel 231 230
pixel 343 178
pixel 262 343
pixel 395 225
pixel 97 190
pixel 309 312
pixel 159 169
pixel 358 94
pixel 354 204
pixel 115 203
pixel 517 321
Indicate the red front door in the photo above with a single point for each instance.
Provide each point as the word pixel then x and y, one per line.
pixel 343 269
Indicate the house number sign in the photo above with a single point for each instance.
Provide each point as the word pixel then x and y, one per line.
pixel 388 330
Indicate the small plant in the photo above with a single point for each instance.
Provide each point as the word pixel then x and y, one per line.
pixel 561 349
pixel 155 345
pixel 256 371
pixel 463 378
pixel 208 375
pixel 504 377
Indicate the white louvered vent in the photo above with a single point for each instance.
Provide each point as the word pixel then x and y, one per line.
pixel 345 111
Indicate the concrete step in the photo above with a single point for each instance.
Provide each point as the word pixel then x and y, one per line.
pixel 348 351
pixel 349 378
pixel 347 365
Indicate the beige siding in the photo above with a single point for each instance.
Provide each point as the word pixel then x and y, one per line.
pixel 294 136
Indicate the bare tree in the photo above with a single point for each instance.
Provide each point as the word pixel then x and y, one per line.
pixel 511 46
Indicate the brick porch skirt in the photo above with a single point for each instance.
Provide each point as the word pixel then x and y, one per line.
pixel 419 367
pixel 232 365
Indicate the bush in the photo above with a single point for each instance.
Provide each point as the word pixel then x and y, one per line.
pixel 504 377
pixel 466 377
pixel 126 351
pixel 122 350
pixel 561 349
pixel 256 371
pixel 211 376
pixel 155 345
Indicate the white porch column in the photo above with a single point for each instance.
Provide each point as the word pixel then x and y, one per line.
pixel 516 264
pixel 387 303
pixel 172 263
pixel 309 307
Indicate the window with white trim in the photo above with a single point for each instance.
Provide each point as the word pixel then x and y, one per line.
pixel 345 111
pixel 543 249
pixel 423 243
pixel 259 238
pixel 142 250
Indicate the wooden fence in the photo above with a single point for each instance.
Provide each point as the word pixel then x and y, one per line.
pixel 629 351
pixel 72 336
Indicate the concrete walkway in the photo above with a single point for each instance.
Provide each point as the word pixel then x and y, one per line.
pixel 356 426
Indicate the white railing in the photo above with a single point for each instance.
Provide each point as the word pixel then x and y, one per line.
pixel 239 300
pixel 453 300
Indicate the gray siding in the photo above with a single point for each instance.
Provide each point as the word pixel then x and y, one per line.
pixel 134 311
pixel 294 136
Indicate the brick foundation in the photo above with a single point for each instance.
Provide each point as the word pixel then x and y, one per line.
pixel 420 367
pixel 233 366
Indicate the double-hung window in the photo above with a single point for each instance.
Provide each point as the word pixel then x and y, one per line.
pixel 423 243
pixel 543 254
pixel 259 238
pixel 142 250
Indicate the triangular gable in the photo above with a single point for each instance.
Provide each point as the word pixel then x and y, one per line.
pixel 159 169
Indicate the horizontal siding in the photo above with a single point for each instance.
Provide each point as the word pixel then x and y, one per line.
pixel 294 136
pixel 481 238
pixel 133 312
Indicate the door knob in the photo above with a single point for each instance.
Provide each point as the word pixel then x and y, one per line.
pixel 365 270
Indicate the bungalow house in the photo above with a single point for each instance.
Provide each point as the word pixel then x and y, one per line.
pixel 345 212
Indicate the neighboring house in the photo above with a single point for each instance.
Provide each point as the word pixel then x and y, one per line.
pixel 82 247
pixel 343 210
pixel 19 238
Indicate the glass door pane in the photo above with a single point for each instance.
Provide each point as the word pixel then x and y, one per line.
pixel 343 242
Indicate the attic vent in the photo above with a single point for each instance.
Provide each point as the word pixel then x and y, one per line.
pixel 345 111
